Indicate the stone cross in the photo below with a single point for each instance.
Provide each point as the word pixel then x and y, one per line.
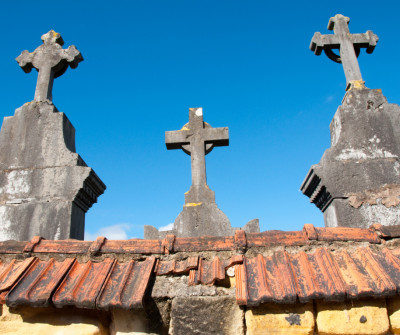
pixel 197 138
pixel 51 61
pixel 348 44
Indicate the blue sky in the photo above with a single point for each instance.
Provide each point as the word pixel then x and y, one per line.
pixel 247 63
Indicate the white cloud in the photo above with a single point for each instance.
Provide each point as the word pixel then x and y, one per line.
pixel 114 232
pixel 167 227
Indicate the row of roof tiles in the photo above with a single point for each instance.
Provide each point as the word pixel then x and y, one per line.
pixel 171 243
pixel 281 277
pixel 335 276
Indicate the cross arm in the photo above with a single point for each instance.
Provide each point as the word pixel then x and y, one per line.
pixel 25 61
pixel 367 40
pixel 217 136
pixel 71 57
pixel 319 42
pixel 175 139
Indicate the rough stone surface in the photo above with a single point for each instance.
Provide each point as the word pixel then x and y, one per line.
pixel 177 286
pixel 206 315
pixel 354 317
pixel 393 308
pixel 40 321
pixel 200 215
pixel 129 323
pixel 280 319
pixel 45 186
pixel 357 181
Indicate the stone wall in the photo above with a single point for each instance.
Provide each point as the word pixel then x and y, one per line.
pixel 211 315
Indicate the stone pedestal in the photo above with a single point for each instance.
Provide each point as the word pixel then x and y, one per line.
pixel 357 182
pixel 202 219
pixel 45 186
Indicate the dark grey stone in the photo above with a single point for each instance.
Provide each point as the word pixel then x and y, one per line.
pixel 357 182
pixel 206 315
pixel 348 45
pixel 293 319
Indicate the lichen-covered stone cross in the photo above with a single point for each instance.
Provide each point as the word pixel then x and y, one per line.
pixel 51 61
pixel 348 44
pixel 197 138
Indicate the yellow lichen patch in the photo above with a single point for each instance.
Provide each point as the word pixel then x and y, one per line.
pixel 193 204
pixel 184 128
pixel 280 319
pixel 356 84
pixel 393 308
pixel 359 317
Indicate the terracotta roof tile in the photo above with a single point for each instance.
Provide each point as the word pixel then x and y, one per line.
pixel 387 231
pixel 82 284
pixel 270 279
pixel 126 285
pixel 172 244
pixel 363 275
pixel 242 293
pixel 204 243
pixel 62 247
pixel 391 265
pixel 305 280
pixel 326 276
pixel 276 237
pixel 38 283
pixel 346 270
pixel 208 272
pixel 12 247
pixel 176 267
pixel 321 275
pixel 347 234
pixel 136 246
pixel 11 272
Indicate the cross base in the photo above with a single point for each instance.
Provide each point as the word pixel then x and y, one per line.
pixel 201 219
pixel 199 194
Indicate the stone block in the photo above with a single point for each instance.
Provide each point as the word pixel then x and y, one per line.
pixel 206 315
pixel 40 321
pixel 128 322
pixel 280 319
pixel 393 308
pixel 352 317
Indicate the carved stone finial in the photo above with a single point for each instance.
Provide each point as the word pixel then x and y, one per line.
pixel 197 139
pixel 349 47
pixel 51 61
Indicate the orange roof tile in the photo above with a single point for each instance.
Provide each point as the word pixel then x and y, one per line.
pixel 268 267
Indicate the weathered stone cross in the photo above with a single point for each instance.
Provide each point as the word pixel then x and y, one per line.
pixel 51 61
pixel 197 138
pixel 348 44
